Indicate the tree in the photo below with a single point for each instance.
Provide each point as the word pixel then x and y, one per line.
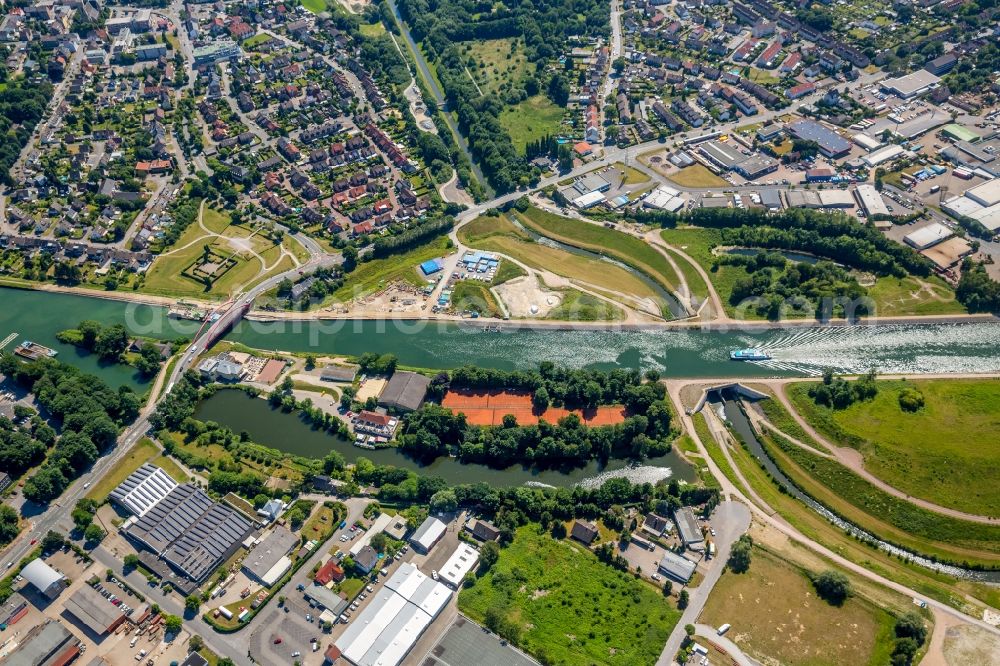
pixel 833 587
pixel 911 625
pixel 52 541
pixel 541 399
pixel 111 343
pixel 488 556
pixel 378 542
pixel 739 557
pixel 131 561
pixel 689 629
pixel 94 533
pixel 682 599
pixel 173 624
pixel 196 643
pixel 191 603
pixel 444 501
pixel 8 524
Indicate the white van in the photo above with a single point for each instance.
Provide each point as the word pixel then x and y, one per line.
pixel 723 629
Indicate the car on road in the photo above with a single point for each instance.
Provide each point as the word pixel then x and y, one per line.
pixel 277 640
pixel 712 530
pixel 296 654
pixel 434 574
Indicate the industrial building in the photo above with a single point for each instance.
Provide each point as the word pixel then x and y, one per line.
pixel 886 154
pixel 48 644
pixel 428 534
pixel 756 166
pixel 143 489
pixel 49 582
pixel 190 531
pixel 687 528
pixel 268 561
pixel 95 612
pixel 870 200
pixel 394 618
pixel 927 236
pixel 676 566
pixel 459 564
pixel 830 143
pixel 379 525
pixel 664 198
pixel 405 391
pixel 912 84
pixel 985 194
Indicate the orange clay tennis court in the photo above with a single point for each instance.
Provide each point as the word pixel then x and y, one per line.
pixel 487 408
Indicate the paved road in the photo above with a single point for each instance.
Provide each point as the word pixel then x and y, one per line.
pixel 730 520
pixel 731 649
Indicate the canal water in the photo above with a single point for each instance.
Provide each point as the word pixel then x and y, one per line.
pixel 286 432
pixel 684 353
pixel 730 411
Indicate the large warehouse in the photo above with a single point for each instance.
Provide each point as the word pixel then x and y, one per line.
pixel 94 611
pixel 143 489
pixel 395 617
pixel 268 561
pixel 46 580
pixel 190 531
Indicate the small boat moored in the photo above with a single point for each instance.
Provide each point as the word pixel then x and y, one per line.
pixel 33 350
pixel 751 354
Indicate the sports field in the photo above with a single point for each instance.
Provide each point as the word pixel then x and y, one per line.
pixel 947 452
pixel 487 408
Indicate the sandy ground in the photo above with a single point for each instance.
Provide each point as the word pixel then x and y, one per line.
pixel 371 387
pixel 419 109
pixel 526 297
pixel 956 644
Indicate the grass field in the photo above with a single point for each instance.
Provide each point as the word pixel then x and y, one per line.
pixel 697 175
pixel 913 296
pixel 498 234
pixel 506 272
pixel 371 29
pixel 500 63
pixel 531 119
pixel 628 249
pixel 632 175
pixel 929 453
pixel 370 276
pixel 783 421
pixel 142 452
pixel 937 586
pixel 578 306
pixel 315 6
pixel 777 618
pixel 475 296
pixel 886 516
pixel 567 607
pixel 697 244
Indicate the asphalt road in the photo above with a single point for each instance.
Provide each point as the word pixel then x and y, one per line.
pixel 730 520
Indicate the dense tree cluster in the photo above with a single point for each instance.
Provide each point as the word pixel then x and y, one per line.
pixel 838 393
pixel 740 555
pixel 976 290
pixel 179 404
pixel 110 343
pixel 834 236
pixel 833 587
pixel 776 283
pixel 974 73
pixel 90 414
pixel 22 104
pixel 418 235
pixel 23 446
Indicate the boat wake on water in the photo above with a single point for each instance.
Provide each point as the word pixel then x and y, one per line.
pixel 888 349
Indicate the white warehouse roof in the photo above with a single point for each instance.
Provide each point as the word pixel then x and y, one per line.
pixel 143 489
pixel 871 200
pixel 40 574
pixel 385 631
pixel 961 207
pixel 890 152
pixel 428 533
pixel 459 564
pixel 986 194
pixel 925 237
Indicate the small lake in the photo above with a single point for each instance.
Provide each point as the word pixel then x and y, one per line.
pixel 797 257
pixel 286 432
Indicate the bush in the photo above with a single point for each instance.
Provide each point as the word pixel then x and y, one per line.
pixel 911 400
pixel 739 557
pixel 833 587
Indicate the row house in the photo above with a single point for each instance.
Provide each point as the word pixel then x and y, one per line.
pixel 669 119
pixel 688 113
pixel 767 97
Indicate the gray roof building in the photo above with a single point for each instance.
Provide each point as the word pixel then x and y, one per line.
pixel 327 598
pixel 143 489
pixel 687 526
pixel 676 566
pixel 405 391
pixel 189 530
pixel 45 645
pixel 830 143
pixel 338 373
pixel 269 552
pixel 428 534
pixel 366 559
pixel 94 611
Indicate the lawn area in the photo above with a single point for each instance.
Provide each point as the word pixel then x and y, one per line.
pixel 926 453
pixel 475 296
pixel 315 6
pixel 694 281
pixel 369 276
pixel 632 175
pixel 564 606
pixel 628 249
pixel 783 421
pixel 762 77
pixel 698 243
pixel 256 40
pixel 697 175
pixel 578 306
pixel 813 525
pixel 531 119
pixel 506 272
pixel 499 63
pixel 914 296
pixel 498 234
pixel 371 29
pixel 777 618
pixel 142 452
pixel 321 524
pixel 882 514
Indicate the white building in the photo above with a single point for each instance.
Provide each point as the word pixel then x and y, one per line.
pixel 985 194
pixel 143 489
pixel 383 521
pixel 928 236
pixel 428 534
pixel 870 200
pixel 395 617
pixel 459 564
pixel 883 155
pixel 46 580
